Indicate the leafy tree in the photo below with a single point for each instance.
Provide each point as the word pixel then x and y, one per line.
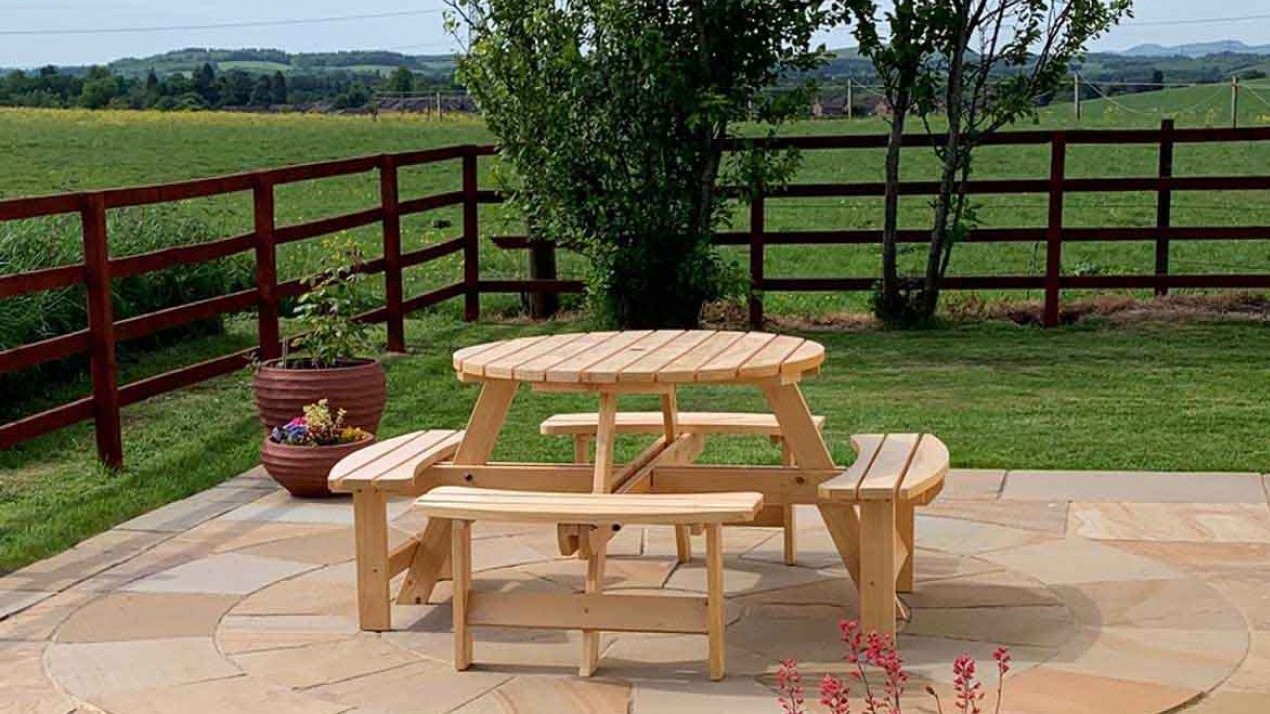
pixel 402 80
pixel 262 93
pixel 205 84
pixel 235 88
pixel 99 88
pixel 611 116
pixel 986 63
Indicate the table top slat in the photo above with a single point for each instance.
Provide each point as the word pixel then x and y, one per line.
pixel 767 361
pixel 727 364
pixel 535 370
pixel 808 356
pixel 570 370
pixel 684 368
pixel 645 369
pixel 475 365
pixel 505 367
pixel 608 369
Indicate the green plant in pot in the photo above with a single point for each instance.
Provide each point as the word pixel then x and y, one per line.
pixel 331 359
pixel 300 453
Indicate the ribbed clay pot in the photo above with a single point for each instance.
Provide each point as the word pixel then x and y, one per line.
pixel 302 470
pixel 359 387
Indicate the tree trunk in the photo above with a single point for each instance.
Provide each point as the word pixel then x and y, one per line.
pixel 891 204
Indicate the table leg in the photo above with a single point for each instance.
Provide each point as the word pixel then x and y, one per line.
pixel 789 527
pixel 715 608
pixel 798 428
pixel 370 528
pixel 479 439
pixel 605 438
pixel 877 566
pixel 670 424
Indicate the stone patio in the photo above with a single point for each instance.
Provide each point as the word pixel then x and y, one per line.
pixel 1117 592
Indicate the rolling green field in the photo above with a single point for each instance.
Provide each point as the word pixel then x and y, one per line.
pixel 75 150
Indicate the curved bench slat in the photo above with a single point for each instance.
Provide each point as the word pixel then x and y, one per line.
pixel 392 465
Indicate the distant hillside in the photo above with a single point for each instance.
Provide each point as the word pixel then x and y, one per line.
pixel 257 61
pixel 1196 49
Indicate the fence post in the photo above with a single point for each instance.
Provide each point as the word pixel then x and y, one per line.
pixel 542 266
pixel 266 268
pixel 1054 229
pixel 1163 209
pixel 471 240
pixel 388 197
pixel 101 331
pixel 757 220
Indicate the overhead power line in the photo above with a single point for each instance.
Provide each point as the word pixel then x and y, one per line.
pixel 218 25
pixel 1197 20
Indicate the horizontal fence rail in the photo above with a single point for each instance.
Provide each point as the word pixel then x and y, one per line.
pixel 99 269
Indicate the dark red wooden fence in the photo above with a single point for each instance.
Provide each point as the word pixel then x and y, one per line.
pixel 97 271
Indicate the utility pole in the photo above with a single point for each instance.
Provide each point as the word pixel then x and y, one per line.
pixel 1234 102
pixel 1076 94
pixel 850 108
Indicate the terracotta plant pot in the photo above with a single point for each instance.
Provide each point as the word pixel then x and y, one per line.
pixel 302 470
pixel 358 387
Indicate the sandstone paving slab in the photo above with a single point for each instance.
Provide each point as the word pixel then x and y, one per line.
pixel 742 576
pixel 255 477
pixel 973 484
pixel 223 573
pixel 835 591
pixel 219 536
pixel 325 548
pixel 189 512
pixel 1185 604
pixel 1045 516
pixel 324 662
pixel 815 549
pixel 1133 487
pixel 553 695
pixel 962 537
pixel 1226 702
pixel 1193 659
pixel 24 687
pixel 1077 561
pixel 239 634
pixel 84 560
pixel 1000 588
pixel 735 695
pixel 645 657
pixel 931 565
pixel 660 542
pixel 12 601
pixel 1187 522
pixel 89 670
pixel 141 616
pixel 1031 625
pixel 1046 690
pixel 282 507
pixel 318 592
pixel 1253 673
pixel 418 688
pixel 235 695
pixel 929 659
pixel 39 621
pixel 1250 593
pixel 618 572
pixel 1207 560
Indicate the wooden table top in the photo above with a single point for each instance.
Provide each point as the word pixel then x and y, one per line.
pixel 665 356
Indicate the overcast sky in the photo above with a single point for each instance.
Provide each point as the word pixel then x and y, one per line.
pixel 38 32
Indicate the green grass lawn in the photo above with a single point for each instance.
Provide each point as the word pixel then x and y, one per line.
pixel 1096 396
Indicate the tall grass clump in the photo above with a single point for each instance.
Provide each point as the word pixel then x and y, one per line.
pixel 44 243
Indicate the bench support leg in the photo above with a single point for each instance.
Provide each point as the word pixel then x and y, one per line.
pixel 790 528
pixel 461 560
pixel 370 528
pixel 683 544
pixel 904 517
pixel 428 566
pixel 591 639
pixel 877 566
pixel 716 620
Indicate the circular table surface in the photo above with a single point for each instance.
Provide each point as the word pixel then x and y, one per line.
pixel 666 356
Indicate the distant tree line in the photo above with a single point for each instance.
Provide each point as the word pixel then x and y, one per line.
pixel 204 88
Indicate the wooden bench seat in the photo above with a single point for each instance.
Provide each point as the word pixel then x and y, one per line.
pixel 582 426
pixel 591 611
pixel 892 474
pixel 394 465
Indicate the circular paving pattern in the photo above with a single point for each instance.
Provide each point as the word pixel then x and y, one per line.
pixel 260 611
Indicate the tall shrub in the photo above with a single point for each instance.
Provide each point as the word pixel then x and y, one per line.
pixel 611 114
